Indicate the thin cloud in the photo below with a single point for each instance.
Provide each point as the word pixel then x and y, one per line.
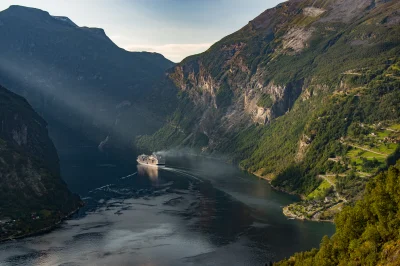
pixel 174 52
pixel 116 37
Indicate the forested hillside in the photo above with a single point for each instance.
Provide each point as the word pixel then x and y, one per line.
pixel 306 95
pixel 367 233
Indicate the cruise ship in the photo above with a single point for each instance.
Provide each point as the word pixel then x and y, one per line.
pixel 151 160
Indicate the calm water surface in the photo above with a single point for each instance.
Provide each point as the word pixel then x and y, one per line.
pixel 193 212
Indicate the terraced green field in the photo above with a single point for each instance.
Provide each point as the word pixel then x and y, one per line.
pixel 356 156
pixel 383 134
pixel 386 148
pixel 319 190
pixel 395 127
pixel 372 146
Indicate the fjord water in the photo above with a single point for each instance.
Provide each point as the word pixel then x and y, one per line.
pixel 196 211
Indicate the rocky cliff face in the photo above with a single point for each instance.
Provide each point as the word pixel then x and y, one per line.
pixel 21 127
pixel 240 76
pixel 30 179
pixel 258 92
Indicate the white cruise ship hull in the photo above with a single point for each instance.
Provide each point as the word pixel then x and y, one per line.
pixel 149 164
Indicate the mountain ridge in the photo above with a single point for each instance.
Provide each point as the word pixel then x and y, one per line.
pixel 307 96
pixel 78 77
pixel 280 93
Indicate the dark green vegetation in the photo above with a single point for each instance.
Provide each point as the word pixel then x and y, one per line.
pixel 306 95
pixel 318 69
pixel 367 233
pixel 32 194
pixel 84 85
pixel 327 127
pixel 315 108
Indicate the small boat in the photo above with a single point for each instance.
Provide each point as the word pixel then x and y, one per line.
pixel 151 160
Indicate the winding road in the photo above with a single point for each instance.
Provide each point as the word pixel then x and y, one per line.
pixel 362 148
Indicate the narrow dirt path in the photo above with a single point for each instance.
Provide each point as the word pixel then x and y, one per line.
pixel 362 148
pixel 392 130
pixel 333 184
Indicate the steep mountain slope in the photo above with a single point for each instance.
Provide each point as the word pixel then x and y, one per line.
pixel 279 94
pixel 76 77
pixel 30 182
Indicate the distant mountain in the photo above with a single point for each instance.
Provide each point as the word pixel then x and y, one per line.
pixel 76 77
pixel 30 182
pixel 66 20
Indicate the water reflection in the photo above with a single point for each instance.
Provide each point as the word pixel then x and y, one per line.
pixel 189 213
pixel 150 171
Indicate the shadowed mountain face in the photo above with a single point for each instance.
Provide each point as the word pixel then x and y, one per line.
pixel 76 77
pixel 30 179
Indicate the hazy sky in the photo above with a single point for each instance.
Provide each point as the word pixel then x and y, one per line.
pixel 175 28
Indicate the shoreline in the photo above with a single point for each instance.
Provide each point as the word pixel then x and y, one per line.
pixel 285 209
pixel 269 180
pixel 54 226
pixel 290 214
pixel 43 230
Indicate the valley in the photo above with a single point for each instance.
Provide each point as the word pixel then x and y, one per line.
pixel 305 97
pixel 177 215
pixel 315 114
